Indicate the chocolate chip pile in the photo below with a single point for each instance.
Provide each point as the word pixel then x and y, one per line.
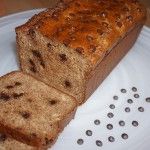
pixel 121 123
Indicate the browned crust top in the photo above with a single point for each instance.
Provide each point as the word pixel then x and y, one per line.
pixel 90 27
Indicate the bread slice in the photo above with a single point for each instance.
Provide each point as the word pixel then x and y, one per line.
pixel 64 45
pixel 31 111
pixel 7 143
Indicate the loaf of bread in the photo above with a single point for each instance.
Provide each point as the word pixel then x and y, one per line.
pixel 7 143
pixel 31 111
pixel 75 45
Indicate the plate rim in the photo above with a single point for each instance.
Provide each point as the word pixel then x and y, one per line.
pixel 10 17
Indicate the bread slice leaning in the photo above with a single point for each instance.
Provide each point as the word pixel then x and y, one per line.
pixel 31 111
pixel 7 143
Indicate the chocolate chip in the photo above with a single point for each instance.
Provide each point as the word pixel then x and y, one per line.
pixel 97 122
pixel 80 141
pixel 119 24
pixel 99 143
pixel 33 69
pixel 77 4
pixel 31 62
pixel 104 24
pixel 73 38
pixel 67 83
pixel 84 11
pixel 89 38
pixel 72 30
pixel 17 83
pixel 2 137
pixel 52 102
pixel 127 109
pixel 139 9
pixel 104 14
pixel 100 2
pixel 63 57
pixel 141 109
pixel 89 133
pixel 135 123
pixel 112 106
pixel 4 96
pixel 126 9
pixel 136 95
pixel 122 123
pixel 111 139
pixel 115 97
pixel 16 95
pixel 62 5
pixel 100 32
pixel 92 48
pixel 68 19
pixel 36 53
pixel 48 141
pixel 25 114
pixel 109 126
pixel 55 15
pixel 129 18
pixel 66 42
pixel 31 32
pixel 9 87
pixel 72 14
pixel 49 45
pixel 60 29
pixel 118 17
pixel 42 63
pixel 123 91
pixel 134 89
pixel 29 100
pixel 130 101
pixel 124 136
pixel 134 1
pixel 6 112
pixel 148 99
pixel 33 135
pixel 79 50
pixel 110 115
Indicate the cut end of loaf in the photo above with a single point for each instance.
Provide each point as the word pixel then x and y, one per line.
pixel 53 63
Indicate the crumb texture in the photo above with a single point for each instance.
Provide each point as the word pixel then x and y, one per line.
pixel 7 143
pixel 32 110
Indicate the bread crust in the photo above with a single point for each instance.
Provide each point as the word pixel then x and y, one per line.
pixel 104 68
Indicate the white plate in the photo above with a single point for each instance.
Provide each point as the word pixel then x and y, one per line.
pixel 133 70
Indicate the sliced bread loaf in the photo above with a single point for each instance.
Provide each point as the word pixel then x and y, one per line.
pixel 66 45
pixel 7 143
pixel 31 111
